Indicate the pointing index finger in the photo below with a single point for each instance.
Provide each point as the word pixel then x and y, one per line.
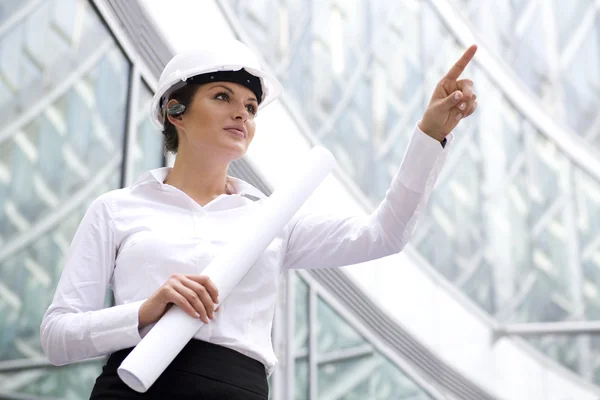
pixel 458 68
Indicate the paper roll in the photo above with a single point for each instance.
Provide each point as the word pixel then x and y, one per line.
pixel 174 330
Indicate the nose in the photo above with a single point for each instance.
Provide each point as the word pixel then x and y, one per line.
pixel 241 113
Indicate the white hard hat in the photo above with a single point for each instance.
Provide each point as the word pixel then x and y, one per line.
pixel 226 55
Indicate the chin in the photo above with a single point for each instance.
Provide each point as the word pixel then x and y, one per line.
pixel 235 152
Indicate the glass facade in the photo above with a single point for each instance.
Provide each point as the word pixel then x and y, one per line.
pixel 554 48
pixel 514 220
pixel 332 360
pixel 147 152
pixel 65 88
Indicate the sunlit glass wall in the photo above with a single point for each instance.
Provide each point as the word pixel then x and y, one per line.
pixel 65 87
pixel 514 221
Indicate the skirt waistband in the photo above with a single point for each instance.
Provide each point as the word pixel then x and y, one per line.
pixel 215 362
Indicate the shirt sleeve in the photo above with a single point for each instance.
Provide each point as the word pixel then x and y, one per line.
pixel 77 326
pixel 323 241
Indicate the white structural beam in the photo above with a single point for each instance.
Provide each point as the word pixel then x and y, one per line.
pixel 549 328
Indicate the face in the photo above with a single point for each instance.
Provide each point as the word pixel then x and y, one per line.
pixel 219 120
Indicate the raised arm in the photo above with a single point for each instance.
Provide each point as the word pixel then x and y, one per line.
pixel 324 240
pixel 321 241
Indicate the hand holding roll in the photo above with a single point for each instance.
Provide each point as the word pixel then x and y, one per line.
pixel 197 295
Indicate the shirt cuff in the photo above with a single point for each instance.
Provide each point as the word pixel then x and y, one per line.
pixel 115 328
pixel 419 160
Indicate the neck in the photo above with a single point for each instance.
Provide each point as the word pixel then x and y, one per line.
pixel 201 178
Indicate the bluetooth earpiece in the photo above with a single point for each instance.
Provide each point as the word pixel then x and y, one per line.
pixel 176 110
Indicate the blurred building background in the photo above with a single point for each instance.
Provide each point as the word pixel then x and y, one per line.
pixel 511 233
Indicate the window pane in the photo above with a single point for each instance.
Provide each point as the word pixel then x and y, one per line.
pixel 148 149
pixel 71 382
pixel 301 324
pixel 58 151
pixel 63 103
pixel 333 333
pixel 301 390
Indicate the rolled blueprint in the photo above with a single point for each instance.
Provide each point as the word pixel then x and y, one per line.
pixel 174 330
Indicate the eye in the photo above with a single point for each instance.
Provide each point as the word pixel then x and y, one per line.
pixel 251 109
pixel 222 96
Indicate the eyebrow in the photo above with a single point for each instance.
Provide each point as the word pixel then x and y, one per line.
pixel 231 91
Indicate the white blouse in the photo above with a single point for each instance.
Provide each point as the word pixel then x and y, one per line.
pixel 132 240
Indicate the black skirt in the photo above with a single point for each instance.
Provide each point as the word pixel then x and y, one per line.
pixel 201 371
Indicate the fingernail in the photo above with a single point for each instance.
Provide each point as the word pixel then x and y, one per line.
pixel 197 315
pixel 462 106
pixel 458 117
pixel 457 96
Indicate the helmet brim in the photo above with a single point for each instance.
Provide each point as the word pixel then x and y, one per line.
pixel 271 88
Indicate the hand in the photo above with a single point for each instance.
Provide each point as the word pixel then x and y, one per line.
pixel 452 100
pixel 195 294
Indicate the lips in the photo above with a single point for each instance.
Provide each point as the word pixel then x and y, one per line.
pixel 236 130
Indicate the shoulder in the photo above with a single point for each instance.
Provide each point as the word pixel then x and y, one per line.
pixel 107 203
pixel 146 186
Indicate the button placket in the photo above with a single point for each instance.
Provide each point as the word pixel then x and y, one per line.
pixel 199 216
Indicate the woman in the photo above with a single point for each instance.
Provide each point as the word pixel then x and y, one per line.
pixel 150 242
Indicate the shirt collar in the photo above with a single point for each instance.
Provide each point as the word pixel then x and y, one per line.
pixel 235 185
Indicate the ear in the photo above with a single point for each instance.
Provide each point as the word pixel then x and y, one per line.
pixel 175 119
